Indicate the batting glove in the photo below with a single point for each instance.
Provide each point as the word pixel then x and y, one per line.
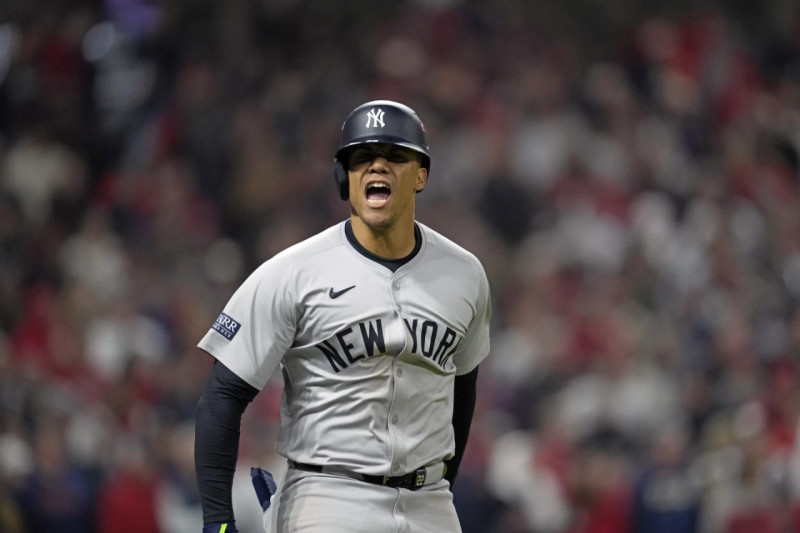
pixel 220 527
pixel 265 486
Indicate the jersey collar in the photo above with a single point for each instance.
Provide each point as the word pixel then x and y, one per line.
pixel 391 264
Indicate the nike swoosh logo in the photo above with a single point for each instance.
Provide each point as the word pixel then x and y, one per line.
pixel 335 294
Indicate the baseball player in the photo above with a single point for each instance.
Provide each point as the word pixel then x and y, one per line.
pixel 378 325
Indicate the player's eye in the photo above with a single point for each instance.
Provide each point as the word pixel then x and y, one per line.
pixel 397 156
pixel 360 156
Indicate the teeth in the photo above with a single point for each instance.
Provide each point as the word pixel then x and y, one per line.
pixel 379 185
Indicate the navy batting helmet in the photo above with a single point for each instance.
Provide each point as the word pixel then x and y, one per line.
pixel 379 121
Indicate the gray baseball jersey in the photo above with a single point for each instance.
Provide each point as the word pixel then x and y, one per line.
pixel 368 355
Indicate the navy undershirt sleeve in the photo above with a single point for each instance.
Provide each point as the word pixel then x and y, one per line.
pixel 464 394
pixel 217 426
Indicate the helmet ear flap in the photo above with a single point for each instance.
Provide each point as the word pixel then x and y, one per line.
pixel 341 178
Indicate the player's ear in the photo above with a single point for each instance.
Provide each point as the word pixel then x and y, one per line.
pixel 422 179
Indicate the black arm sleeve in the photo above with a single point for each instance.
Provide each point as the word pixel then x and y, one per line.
pixel 464 393
pixel 216 445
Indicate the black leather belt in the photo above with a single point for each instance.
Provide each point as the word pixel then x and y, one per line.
pixel 411 481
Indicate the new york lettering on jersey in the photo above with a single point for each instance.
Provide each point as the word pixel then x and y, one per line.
pixel 429 339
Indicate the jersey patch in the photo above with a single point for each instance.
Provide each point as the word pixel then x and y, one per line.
pixel 226 326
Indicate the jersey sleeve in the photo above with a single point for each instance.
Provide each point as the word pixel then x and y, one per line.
pixel 256 327
pixel 475 346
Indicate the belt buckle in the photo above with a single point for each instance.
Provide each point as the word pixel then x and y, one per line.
pixel 419 478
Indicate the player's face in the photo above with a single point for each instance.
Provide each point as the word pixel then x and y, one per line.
pixel 383 181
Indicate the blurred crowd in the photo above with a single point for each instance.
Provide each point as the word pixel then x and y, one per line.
pixel 627 175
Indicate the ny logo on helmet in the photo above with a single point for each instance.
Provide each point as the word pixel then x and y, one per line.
pixel 375 118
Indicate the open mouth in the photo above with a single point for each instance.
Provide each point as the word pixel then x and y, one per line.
pixel 377 194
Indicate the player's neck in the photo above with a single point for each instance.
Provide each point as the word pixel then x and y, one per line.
pixel 394 242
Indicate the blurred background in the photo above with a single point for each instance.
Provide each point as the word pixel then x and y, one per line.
pixel 626 171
